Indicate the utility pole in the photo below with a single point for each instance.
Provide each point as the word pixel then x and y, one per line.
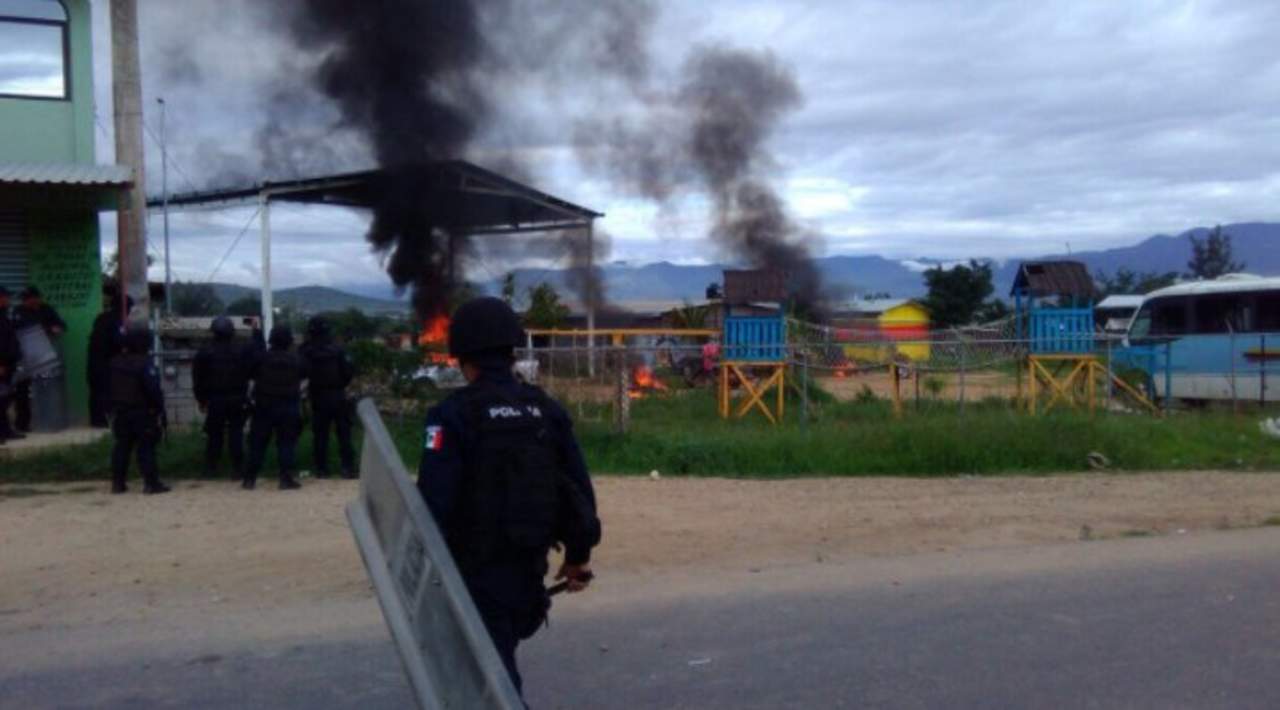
pixel 126 92
pixel 164 195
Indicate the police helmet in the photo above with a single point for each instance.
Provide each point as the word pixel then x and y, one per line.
pixel 318 327
pixel 222 328
pixel 484 324
pixel 138 338
pixel 281 337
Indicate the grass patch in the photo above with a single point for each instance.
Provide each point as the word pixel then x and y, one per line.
pixel 1137 533
pixel 681 434
pixel 1273 521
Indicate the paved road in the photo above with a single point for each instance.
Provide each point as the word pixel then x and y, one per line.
pixel 1179 622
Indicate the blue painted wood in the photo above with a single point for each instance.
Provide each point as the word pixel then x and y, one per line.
pixel 755 338
pixel 1061 330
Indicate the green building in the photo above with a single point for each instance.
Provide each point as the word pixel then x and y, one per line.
pixel 51 187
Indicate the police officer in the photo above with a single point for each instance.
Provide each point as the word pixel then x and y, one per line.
pixel 106 340
pixel 220 377
pixel 31 312
pixel 138 406
pixel 277 378
pixel 503 475
pixel 10 356
pixel 330 371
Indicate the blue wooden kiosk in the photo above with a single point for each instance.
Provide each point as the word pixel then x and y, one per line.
pixel 753 342
pixel 1053 315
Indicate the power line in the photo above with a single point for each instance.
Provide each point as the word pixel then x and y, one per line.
pixel 172 163
pixel 235 243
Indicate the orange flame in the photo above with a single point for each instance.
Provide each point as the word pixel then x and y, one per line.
pixel 435 340
pixel 643 380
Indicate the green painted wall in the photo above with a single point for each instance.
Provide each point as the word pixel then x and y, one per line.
pixel 64 244
pixel 65 265
pixel 41 130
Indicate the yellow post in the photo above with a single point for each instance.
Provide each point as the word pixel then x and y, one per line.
pixel 1031 385
pixel 782 390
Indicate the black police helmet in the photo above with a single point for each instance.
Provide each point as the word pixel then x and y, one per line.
pixel 281 337
pixel 484 324
pixel 138 338
pixel 318 327
pixel 222 328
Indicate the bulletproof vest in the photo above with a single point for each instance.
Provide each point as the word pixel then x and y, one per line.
pixel 226 370
pixel 279 375
pixel 126 382
pixel 326 368
pixel 511 500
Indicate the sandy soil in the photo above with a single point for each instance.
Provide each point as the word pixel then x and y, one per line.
pixel 73 555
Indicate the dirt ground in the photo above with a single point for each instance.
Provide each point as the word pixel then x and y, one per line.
pixel 977 385
pixel 74 555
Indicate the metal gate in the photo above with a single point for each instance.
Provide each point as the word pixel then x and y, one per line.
pixel 14 250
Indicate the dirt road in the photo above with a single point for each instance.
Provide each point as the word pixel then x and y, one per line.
pixel 73 556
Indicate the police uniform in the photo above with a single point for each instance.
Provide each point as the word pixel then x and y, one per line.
pixel 10 356
pixel 220 378
pixel 329 372
pixel 106 340
pixel 137 404
pixel 277 377
pixel 503 476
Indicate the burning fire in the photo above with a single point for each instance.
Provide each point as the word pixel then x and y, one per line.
pixel 642 381
pixel 435 341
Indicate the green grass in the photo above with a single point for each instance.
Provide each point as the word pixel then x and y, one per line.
pixel 681 434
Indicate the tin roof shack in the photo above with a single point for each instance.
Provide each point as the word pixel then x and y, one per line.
pixel 1053 306
pixel 1115 312
pixel 51 188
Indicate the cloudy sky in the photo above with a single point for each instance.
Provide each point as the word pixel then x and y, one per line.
pixel 928 129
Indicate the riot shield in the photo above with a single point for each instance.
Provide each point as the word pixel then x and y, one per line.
pixel 447 653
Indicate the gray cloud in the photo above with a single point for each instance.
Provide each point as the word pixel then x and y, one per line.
pixel 928 130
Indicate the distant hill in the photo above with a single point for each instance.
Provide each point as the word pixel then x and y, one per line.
pixel 315 299
pixel 1256 244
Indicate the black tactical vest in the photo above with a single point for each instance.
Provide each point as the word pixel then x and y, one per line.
pixel 226 370
pixel 127 392
pixel 511 497
pixel 279 375
pixel 326 368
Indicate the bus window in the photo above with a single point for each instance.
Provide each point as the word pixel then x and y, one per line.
pixel 1141 325
pixel 1224 313
pixel 1268 313
pixel 1169 317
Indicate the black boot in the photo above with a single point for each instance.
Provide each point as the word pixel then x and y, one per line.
pixel 155 488
pixel 289 483
pixel 118 487
pixel 248 483
pixel 350 474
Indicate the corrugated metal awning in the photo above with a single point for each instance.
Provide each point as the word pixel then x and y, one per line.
pixel 65 174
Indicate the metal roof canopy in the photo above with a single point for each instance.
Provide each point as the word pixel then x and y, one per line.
pixel 466 198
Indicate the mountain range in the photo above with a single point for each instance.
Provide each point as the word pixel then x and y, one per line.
pixel 1255 244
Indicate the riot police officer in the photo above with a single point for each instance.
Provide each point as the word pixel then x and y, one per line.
pixel 330 371
pixel 10 356
pixel 504 478
pixel 220 376
pixel 106 340
pixel 277 378
pixel 137 404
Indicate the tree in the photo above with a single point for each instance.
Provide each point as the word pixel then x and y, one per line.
pixel 352 324
pixel 196 300
pixel 956 294
pixel 1211 257
pixel 1129 282
pixel 245 306
pixel 545 309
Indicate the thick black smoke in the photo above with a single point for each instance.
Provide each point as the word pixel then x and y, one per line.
pixel 405 76
pixel 710 132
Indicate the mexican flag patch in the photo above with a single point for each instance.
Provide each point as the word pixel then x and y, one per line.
pixel 434 438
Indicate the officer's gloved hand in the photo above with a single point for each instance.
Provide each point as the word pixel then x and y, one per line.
pixel 578 577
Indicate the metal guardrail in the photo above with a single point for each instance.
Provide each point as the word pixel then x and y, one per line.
pixel 446 651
